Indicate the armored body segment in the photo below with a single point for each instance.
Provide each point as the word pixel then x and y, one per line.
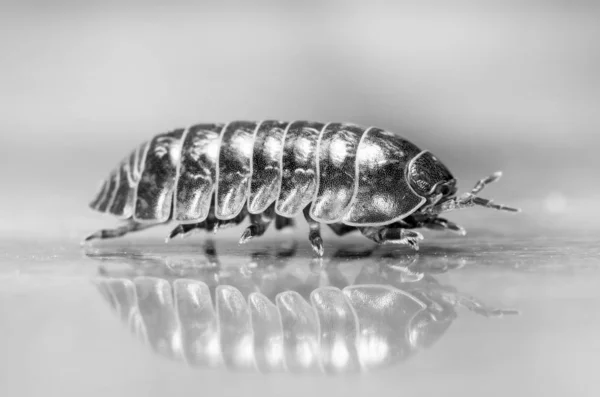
pixel 133 174
pixel 100 195
pixel 266 165
pixel 154 192
pixel 117 194
pixel 122 205
pixel 234 168
pixel 384 195
pixel 137 161
pixel 299 164
pixel 111 190
pixel 197 173
pixel 336 176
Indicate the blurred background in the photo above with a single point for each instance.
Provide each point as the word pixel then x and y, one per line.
pixel 485 85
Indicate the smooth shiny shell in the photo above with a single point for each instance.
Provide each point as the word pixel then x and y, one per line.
pixel 346 174
pixel 197 172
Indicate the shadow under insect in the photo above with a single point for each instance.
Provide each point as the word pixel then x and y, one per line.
pixel 355 311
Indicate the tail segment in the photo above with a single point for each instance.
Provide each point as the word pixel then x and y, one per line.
pixel 117 193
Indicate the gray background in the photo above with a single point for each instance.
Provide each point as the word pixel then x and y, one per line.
pixel 484 85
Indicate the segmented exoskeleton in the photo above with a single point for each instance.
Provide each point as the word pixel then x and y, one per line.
pixel 344 175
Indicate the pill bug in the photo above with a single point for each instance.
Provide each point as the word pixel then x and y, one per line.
pixel 349 177
pixel 280 319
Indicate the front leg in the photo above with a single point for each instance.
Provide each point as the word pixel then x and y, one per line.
pixel 259 224
pixel 392 235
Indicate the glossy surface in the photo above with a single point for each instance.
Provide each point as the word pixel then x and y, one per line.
pixel 266 165
pixel 154 192
pixel 166 328
pixel 197 172
pixel 347 173
pixel 299 167
pixel 234 172
pixel 337 173
pixel 397 317
pixel 271 315
pixel 383 191
pixel 122 204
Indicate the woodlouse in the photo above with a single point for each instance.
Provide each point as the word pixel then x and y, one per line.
pixel 341 174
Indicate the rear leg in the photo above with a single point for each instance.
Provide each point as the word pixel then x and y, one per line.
pixel 210 224
pixel 185 230
pixel 223 224
pixel 284 224
pixel 314 233
pixel 392 235
pixel 128 227
pixel 341 229
pixel 259 223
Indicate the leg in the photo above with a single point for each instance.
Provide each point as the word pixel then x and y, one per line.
pixel 444 224
pixel 392 235
pixel 314 233
pixel 185 230
pixel 128 227
pixel 259 224
pixel 222 224
pixel 340 229
pixel 210 224
pixel 283 223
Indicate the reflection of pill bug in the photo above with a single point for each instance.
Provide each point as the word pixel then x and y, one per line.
pixel 341 174
pixel 361 327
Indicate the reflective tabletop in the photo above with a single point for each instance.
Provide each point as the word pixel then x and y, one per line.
pixel 486 313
